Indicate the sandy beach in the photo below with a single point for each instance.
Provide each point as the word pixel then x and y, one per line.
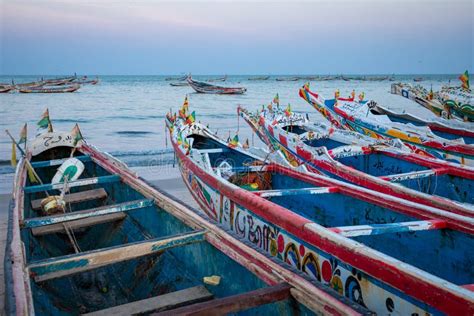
pixel 167 178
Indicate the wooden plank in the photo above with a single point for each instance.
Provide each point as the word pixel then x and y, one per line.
pixel 98 211
pixel 81 223
pixel 213 150
pixel 58 162
pixel 377 229
pixel 235 303
pixel 72 184
pixel 77 197
pixel 66 265
pixel 285 192
pixel 158 303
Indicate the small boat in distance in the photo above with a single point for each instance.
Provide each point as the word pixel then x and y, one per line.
pixel 179 84
pixel 218 79
pixel 177 78
pixel 45 89
pixel 258 78
pixel 287 79
pixel 203 87
pixel 6 88
pixel 418 79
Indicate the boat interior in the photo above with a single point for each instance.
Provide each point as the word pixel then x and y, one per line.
pixel 411 175
pixel 403 237
pixel 113 250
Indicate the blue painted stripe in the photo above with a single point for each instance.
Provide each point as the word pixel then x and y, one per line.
pixel 72 184
pixel 104 210
pixel 57 267
pixel 57 162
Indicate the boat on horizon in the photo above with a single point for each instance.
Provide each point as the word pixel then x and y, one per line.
pixel 203 87
pixel 47 89
pixel 222 79
pixel 87 235
pixel 259 78
pixel 375 249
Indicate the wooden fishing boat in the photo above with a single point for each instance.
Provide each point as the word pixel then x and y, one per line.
pixel 449 128
pixel 203 87
pixel 258 78
pixel 287 79
pixel 346 113
pixel 26 85
pixel 43 89
pixel 222 79
pixel 107 242
pixel 85 80
pixel 384 166
pixel 418 79
pixel 177 78
pixel 459 100
pixel 390 255
pixel 6 88
pixel 179 84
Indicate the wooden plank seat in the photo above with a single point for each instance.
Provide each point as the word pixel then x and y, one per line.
pixel 77 224
pixel 414 174
pixel 70 264
pixel 58 162
pixel 72 184
pixel 314 190
pixel 83 196
pixel 212 150
pixel 98 211
pixel 163 302
pixel 377 229
pixel 235 303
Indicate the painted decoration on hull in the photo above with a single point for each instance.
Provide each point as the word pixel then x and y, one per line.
pixel 318 265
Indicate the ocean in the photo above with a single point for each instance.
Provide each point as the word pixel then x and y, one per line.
pixel 124 115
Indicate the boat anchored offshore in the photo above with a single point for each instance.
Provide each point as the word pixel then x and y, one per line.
pixel 347 113
pixel 382 165
pixel 45 89
pixel 378 250
pixel 91 237
pixel 203 87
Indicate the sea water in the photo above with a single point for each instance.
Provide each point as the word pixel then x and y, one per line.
pixel 124 115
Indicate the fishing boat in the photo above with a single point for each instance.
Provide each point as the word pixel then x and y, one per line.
pixel 384 166
pixel 179 84
pixel 85 80
pixel 287 79
pixel 6 88
pixel 88 236
pixel 177 78
pixel 347 113
pixel 418 79
pixel 218 79
pixel 203 87
pixel 387 254
pixel 259 78
pixel 44 89
pixel 444 126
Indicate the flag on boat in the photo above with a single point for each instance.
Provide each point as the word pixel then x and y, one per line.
pixel 276 99
pixel 76 135
pixel 31 174
pixel 13 158
pixel 431 94
pixel 270 107
pixel 44 123
pixel 246 145
pixel 337 94
pixel 185 104
pixel 180 139
pixel 234 141
pixel 353 95
pixel 361 96
pixel 23 135
pixel 306 86
pixel 288 110
pixel 465 80
pixel 191 118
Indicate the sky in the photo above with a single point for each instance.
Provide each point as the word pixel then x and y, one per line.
pixel 124 37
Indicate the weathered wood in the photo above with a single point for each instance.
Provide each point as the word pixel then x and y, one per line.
pixel 66 265
pixel 98 211
pixel 76 197
pixel 158 303
pixel 235 303
pixel 285 192
pixel 72 184
pixel 57 162
pixel 81 223
pixel 377 229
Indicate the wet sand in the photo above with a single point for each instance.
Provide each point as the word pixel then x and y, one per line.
pixel 170 182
